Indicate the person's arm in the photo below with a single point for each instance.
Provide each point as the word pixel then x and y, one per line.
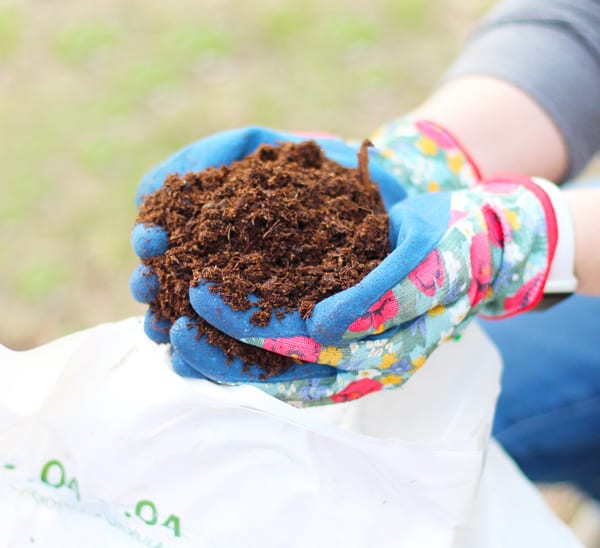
pixel 524 97
pixel 502 127
pixel 505 130
pixel 549 50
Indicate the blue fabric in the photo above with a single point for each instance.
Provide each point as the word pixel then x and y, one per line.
pixel 210 306
pixel 183 368
pixel 149 241
pixel 548 415
pixel 144 284
pixel 156 328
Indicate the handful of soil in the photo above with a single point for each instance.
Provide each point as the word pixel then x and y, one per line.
pixel 285 224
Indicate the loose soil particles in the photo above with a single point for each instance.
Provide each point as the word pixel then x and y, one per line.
pixel 285 224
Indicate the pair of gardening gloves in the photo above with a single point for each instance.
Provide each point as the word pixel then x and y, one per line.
pixel 460 246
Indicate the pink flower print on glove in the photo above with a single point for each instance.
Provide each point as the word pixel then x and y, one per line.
pixel 302 348
pixel 428 277
pixel 377 314
pixel 357 389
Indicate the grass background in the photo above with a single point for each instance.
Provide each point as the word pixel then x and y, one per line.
pixel 94 94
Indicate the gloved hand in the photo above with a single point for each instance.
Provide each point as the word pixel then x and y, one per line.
pixel 488 249
pixel 202 359
pixel 303 384
pixel 424 158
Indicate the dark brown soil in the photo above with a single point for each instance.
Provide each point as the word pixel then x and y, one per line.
pixel 285 223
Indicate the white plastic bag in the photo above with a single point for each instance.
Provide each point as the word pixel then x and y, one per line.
pixel 101 444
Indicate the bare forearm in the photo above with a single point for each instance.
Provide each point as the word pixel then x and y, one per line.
pixel 549 50
pixel 503 128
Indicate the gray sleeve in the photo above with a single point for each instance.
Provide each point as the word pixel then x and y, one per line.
pixel 551 50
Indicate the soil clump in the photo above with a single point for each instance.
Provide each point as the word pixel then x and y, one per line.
pixel 285 224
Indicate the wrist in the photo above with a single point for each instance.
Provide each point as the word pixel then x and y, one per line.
pixel 525 213
pixel 561 278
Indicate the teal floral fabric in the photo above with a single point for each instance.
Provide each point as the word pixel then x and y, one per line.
pixel 423 156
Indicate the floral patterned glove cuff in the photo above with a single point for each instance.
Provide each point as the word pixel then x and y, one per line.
pixel 526 230
pixel 423 156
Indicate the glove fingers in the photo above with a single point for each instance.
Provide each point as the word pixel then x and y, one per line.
pixel 212 363
pixel 149 240
pixel 156 328
pixel 306 392
pixel 183 368
pixel 210 306
pixel 286 336
pixel 144 284
pixel 305 384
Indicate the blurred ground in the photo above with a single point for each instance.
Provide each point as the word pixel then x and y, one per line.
pixel 94 94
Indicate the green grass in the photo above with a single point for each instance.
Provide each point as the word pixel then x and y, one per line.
pixel 80 42
pixel 94 94
pixel 411 14
pixel 33 282
pixel 10 30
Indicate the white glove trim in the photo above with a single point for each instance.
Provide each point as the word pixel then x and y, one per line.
pixel 561 278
